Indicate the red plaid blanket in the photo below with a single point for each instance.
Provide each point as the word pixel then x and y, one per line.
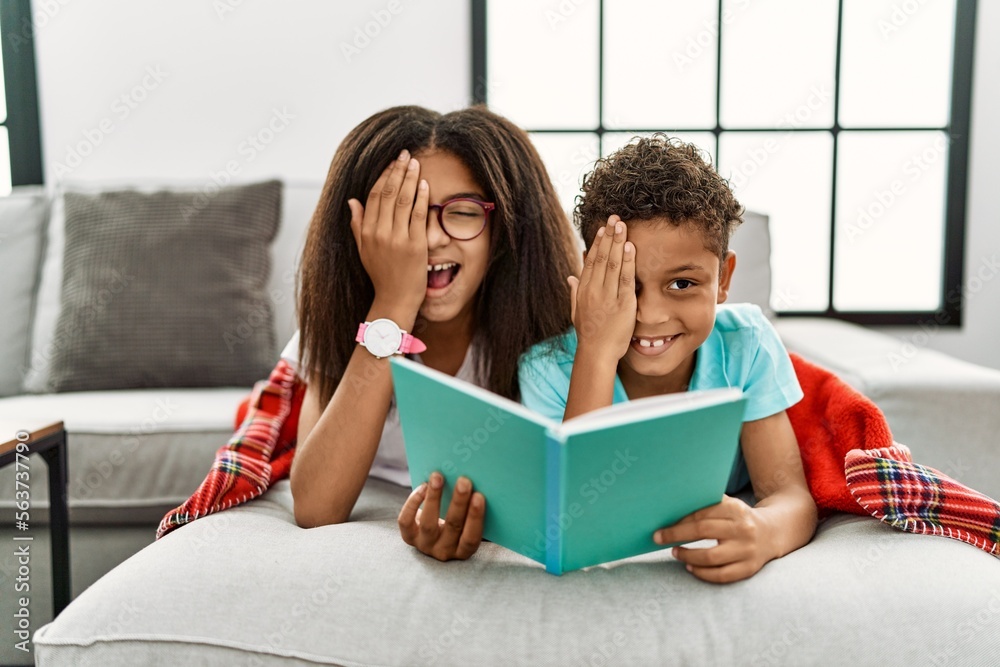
pixel 835 426
pixel 258 455
pixel 918 499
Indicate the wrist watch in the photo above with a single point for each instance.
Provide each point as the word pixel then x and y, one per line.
pixel 384 338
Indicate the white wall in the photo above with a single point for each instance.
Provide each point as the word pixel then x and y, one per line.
pixel 227 71
pixel 224 67
pixel 979 338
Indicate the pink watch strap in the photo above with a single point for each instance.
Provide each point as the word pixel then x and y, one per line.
pixel 409 344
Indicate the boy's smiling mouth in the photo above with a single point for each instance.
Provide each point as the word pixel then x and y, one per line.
pixel 653 345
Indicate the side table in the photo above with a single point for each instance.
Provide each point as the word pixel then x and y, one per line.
pixel 17 441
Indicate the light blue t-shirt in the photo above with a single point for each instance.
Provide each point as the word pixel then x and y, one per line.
pixel 742 351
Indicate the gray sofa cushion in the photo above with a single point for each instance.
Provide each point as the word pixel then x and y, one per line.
pixel 133 454
pixel 131 258
pixel 23 215
pixel 752 280
pixel 247 586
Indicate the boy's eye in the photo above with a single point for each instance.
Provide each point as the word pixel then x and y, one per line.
pixel 680 284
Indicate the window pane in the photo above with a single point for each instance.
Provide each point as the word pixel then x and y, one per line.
pixel 4 163
pixel 568 157
pixel 787 176
pixel 612 141
pixel 896 63
pixel 778 63
pixel 890 220
pixel 542 63
pixel 660 63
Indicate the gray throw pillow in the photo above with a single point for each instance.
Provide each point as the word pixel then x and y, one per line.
pixel 752 280
pixel 23 215
pixel 167 289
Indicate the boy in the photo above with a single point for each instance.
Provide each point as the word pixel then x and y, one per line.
pixel 646 323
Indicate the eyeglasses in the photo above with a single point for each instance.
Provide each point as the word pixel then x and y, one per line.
pixel 463 219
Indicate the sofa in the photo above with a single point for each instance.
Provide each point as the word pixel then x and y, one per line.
pixel 247 586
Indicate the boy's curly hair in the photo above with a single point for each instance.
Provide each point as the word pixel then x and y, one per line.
pixel 659 177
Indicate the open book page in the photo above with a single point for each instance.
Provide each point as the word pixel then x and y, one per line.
pixel 458 429
pixel 622 481
pixel 647 408
pixel 482 395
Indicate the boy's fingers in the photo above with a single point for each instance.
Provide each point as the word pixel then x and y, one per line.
pixel 626 283
pixel 574 284
pixel 725 574
pixel 727 552
pixel 407 519
pixel 591 259
pixel 613 275
pixel 689 531
pixel 454 520
pixel 472 534
pixel 600 263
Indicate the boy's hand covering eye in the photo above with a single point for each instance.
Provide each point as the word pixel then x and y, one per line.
pixel 458 535
pixel 603 298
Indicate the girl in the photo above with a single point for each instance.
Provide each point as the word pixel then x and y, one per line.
pixel 435 234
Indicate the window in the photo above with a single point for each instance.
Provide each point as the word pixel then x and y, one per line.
pixel 20 144
pixel 846 121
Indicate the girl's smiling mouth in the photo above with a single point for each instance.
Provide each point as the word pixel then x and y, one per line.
pixel 440 276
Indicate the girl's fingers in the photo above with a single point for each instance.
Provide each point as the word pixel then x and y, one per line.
pixel 418 217
pixel 391 191
pixel 615 254
pixel 407 519
pixel 472 534
pixel 429 528
pixel 404 202
pixel 454 520
pixel 375 199
pixel 357 217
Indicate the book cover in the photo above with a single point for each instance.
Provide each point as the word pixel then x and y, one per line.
pixel 574 494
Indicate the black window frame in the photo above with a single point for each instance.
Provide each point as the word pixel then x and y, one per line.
pixel 21 90
pixel 950 311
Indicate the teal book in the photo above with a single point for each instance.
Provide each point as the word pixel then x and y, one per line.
pixel 575 494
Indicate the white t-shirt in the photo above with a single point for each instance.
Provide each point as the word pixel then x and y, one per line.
pixel 390 459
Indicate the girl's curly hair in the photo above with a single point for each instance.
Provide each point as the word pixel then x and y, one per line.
pixel 659 177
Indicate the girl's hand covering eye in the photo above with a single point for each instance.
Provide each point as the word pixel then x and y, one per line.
pixel 390 230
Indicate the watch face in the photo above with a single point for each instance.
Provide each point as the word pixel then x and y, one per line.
pixel 383 337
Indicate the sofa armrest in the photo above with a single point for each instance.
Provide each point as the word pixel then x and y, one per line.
pixel 945 410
